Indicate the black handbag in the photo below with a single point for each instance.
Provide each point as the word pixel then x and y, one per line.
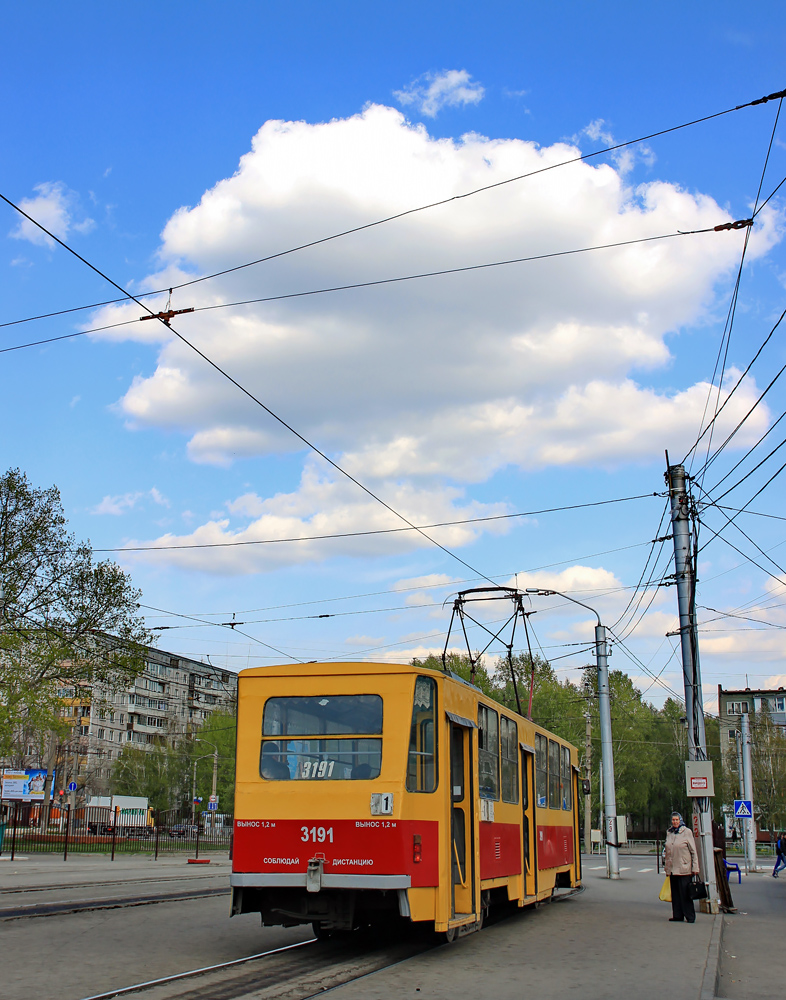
pixel 697 889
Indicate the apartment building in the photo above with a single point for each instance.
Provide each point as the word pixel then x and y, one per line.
pixel 171 698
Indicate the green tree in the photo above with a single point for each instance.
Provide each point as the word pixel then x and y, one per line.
pixel 65 620
pixel 768 767
pixel 459 664
pixel 160 773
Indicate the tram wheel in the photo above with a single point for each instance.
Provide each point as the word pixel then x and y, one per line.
pixel 321 933
pixel 451 934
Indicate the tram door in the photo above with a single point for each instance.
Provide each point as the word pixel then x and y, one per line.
pixel 462 821
pixel 529 837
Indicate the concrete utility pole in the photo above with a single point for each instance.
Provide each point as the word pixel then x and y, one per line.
pixel 689 641
pixel 607 753
pixel 747 779
pixel 588 777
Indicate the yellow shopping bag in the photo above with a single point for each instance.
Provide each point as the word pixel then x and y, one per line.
pixel 665 890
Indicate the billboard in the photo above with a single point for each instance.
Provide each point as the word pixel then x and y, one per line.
pixel 23 785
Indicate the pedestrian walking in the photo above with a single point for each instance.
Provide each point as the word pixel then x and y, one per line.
pixel 780 860
pixel 681 863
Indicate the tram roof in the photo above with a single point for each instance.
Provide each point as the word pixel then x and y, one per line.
pixel 353 667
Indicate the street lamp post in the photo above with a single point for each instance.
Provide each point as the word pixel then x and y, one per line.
pixel 607 753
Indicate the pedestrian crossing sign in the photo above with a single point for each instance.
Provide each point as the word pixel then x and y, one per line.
pixel 743 809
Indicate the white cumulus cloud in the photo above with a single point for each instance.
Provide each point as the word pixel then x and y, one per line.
pixel 429 93
pixel 320 506
pixel 53 206
pixel 427 385
pixel 119 504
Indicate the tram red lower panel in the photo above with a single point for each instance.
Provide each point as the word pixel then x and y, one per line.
pixel 347 847
pixel 500 850
pixel 555 846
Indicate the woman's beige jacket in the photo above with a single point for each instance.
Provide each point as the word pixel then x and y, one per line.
pixel 680 857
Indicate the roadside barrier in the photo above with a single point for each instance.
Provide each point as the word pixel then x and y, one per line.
pixel 34 829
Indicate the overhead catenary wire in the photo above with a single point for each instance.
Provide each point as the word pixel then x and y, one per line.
pixel 749 452
pixel 359 284
pixel 412 211
pixel 742 421
pixel 769 196
pixel 250 395
pixel 732 521
pixel 374 531
pixel 734 299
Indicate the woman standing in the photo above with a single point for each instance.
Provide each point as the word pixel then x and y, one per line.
pixel 681 862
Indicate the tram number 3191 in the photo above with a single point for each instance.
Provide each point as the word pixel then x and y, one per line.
pixel 316 834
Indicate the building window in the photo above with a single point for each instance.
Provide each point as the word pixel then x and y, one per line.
pixel 732 736
pixel 737 707
pixel 100 734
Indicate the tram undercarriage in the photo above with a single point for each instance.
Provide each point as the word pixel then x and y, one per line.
pixel 338 909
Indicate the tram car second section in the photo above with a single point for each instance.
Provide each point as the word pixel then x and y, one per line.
pixel 374 792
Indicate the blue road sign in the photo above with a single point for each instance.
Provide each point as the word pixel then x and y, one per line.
pixel 71 786
pixel 212 805
pixel 743 809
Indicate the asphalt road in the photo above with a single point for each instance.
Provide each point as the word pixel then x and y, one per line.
pixel 612 941
pixel 76 955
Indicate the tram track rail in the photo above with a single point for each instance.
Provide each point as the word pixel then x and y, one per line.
pixel 60 907
pixel 297 971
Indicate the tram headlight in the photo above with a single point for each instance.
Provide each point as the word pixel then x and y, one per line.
pixel 417 849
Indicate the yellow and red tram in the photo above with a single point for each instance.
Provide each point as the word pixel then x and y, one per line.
pixel 370 791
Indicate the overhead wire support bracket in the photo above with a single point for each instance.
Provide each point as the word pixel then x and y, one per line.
pixel 166 315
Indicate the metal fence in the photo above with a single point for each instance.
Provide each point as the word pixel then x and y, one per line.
pixel 26 829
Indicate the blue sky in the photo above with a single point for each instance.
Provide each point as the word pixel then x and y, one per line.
pixel 149 143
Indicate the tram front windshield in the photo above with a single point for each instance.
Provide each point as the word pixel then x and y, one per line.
pixel 332 750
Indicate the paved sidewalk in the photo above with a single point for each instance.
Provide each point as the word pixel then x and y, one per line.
pixel 612 942
pixel 752 942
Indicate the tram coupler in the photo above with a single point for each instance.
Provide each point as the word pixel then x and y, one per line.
pixel 314 874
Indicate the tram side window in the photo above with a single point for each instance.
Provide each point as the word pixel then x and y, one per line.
pixel 541 770
pixel 422 758
pixel 554 776
pixel 509 738
pixel 488 753
pixel 567 797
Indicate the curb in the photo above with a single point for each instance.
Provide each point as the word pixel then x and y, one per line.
pixel 710 980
